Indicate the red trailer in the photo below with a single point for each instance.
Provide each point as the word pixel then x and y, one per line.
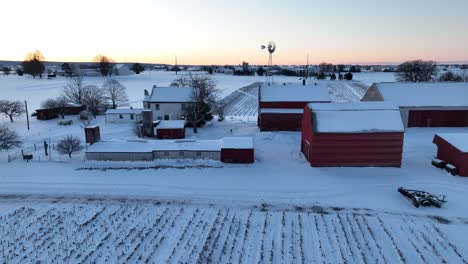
pixel 170 129
pixel 352 135
pixel 453 148
pixel 280 107
pixel 237 150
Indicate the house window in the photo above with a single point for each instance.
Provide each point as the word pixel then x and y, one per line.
pixel 166 117
pixel 156 107
pixel 166 153
pixel 121 116
pixel 159 118
pixel 198 154
pixel 132 116
pixel 184 106
pixel 181 153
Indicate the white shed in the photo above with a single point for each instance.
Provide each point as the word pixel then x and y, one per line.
pixel 121 115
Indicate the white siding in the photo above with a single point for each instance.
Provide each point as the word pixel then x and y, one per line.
pixel 173 110
pixel 126 118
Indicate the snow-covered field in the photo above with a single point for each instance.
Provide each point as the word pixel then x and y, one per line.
pixel 35 91
pixel 278 209
pixel 90 230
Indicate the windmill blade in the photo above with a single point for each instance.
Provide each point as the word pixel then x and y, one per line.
pixel 271 46
pixel 262 47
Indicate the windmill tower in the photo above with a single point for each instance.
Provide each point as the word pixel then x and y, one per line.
pixel 271 47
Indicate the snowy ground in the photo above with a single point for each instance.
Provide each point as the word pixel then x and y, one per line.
pixel 278 209
pixel 90 230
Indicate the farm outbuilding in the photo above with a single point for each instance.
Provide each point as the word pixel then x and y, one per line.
pixel 51 113
pixel 170 129
pixel 146 150
pixel 453 148
pixel 121 115
pixel 280 107
pixel 237 150
pixel 425 104
pixel 352 135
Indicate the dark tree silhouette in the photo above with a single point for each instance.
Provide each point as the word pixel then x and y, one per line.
pixel 34 64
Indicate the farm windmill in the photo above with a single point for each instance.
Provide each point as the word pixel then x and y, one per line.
pixel 271 47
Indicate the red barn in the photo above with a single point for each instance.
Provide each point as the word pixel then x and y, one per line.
pixel 352 135
pixel 170 129
pixel 280 107
pixel 453 148
pixel 442 104
pixel 237 150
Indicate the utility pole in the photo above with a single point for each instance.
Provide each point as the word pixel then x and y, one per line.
pixel 27 114
pixel 176 65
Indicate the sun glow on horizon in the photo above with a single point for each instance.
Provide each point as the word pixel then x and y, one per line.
pixel 229 32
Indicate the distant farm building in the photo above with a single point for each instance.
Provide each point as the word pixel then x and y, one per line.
pixel 120 115
pixel 231 151
pixel 453 148
pixel 170 129
pixel 121 70
pixel 425 104
pixel 352 135
pixel 168 103
pixel 51 113
pixel 280 107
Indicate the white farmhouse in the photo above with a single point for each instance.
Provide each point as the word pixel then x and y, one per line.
pixel 168 103
pixel 121 115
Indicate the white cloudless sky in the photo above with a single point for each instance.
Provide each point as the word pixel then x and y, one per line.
pixel 229 32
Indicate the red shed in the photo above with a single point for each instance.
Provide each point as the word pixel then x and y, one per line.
pixel 453 148
pixel 352 135
pixel 46 114
pixel 237 150
pixel 92 134
pixel 170 129
pixel 280 107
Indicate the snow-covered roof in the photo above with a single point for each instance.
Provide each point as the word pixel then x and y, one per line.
pixel 119 111
pixel 237 143
pixel 353 106
pixel 458 140
pixel 356 118
pixel 295 93
pixel 424 94
pixel 168 124
pixel 145 146
pixel 282 110
pixel 170 95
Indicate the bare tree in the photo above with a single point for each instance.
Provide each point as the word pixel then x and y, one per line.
pixel 105 65
pixel 416 71
pixel 94 97
pixel 451 77
pixel 115 92
pixel 8 138
pixel 75 91
pixel 69 145
pixel 204 98
pixel 12 108
pixel 59 104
